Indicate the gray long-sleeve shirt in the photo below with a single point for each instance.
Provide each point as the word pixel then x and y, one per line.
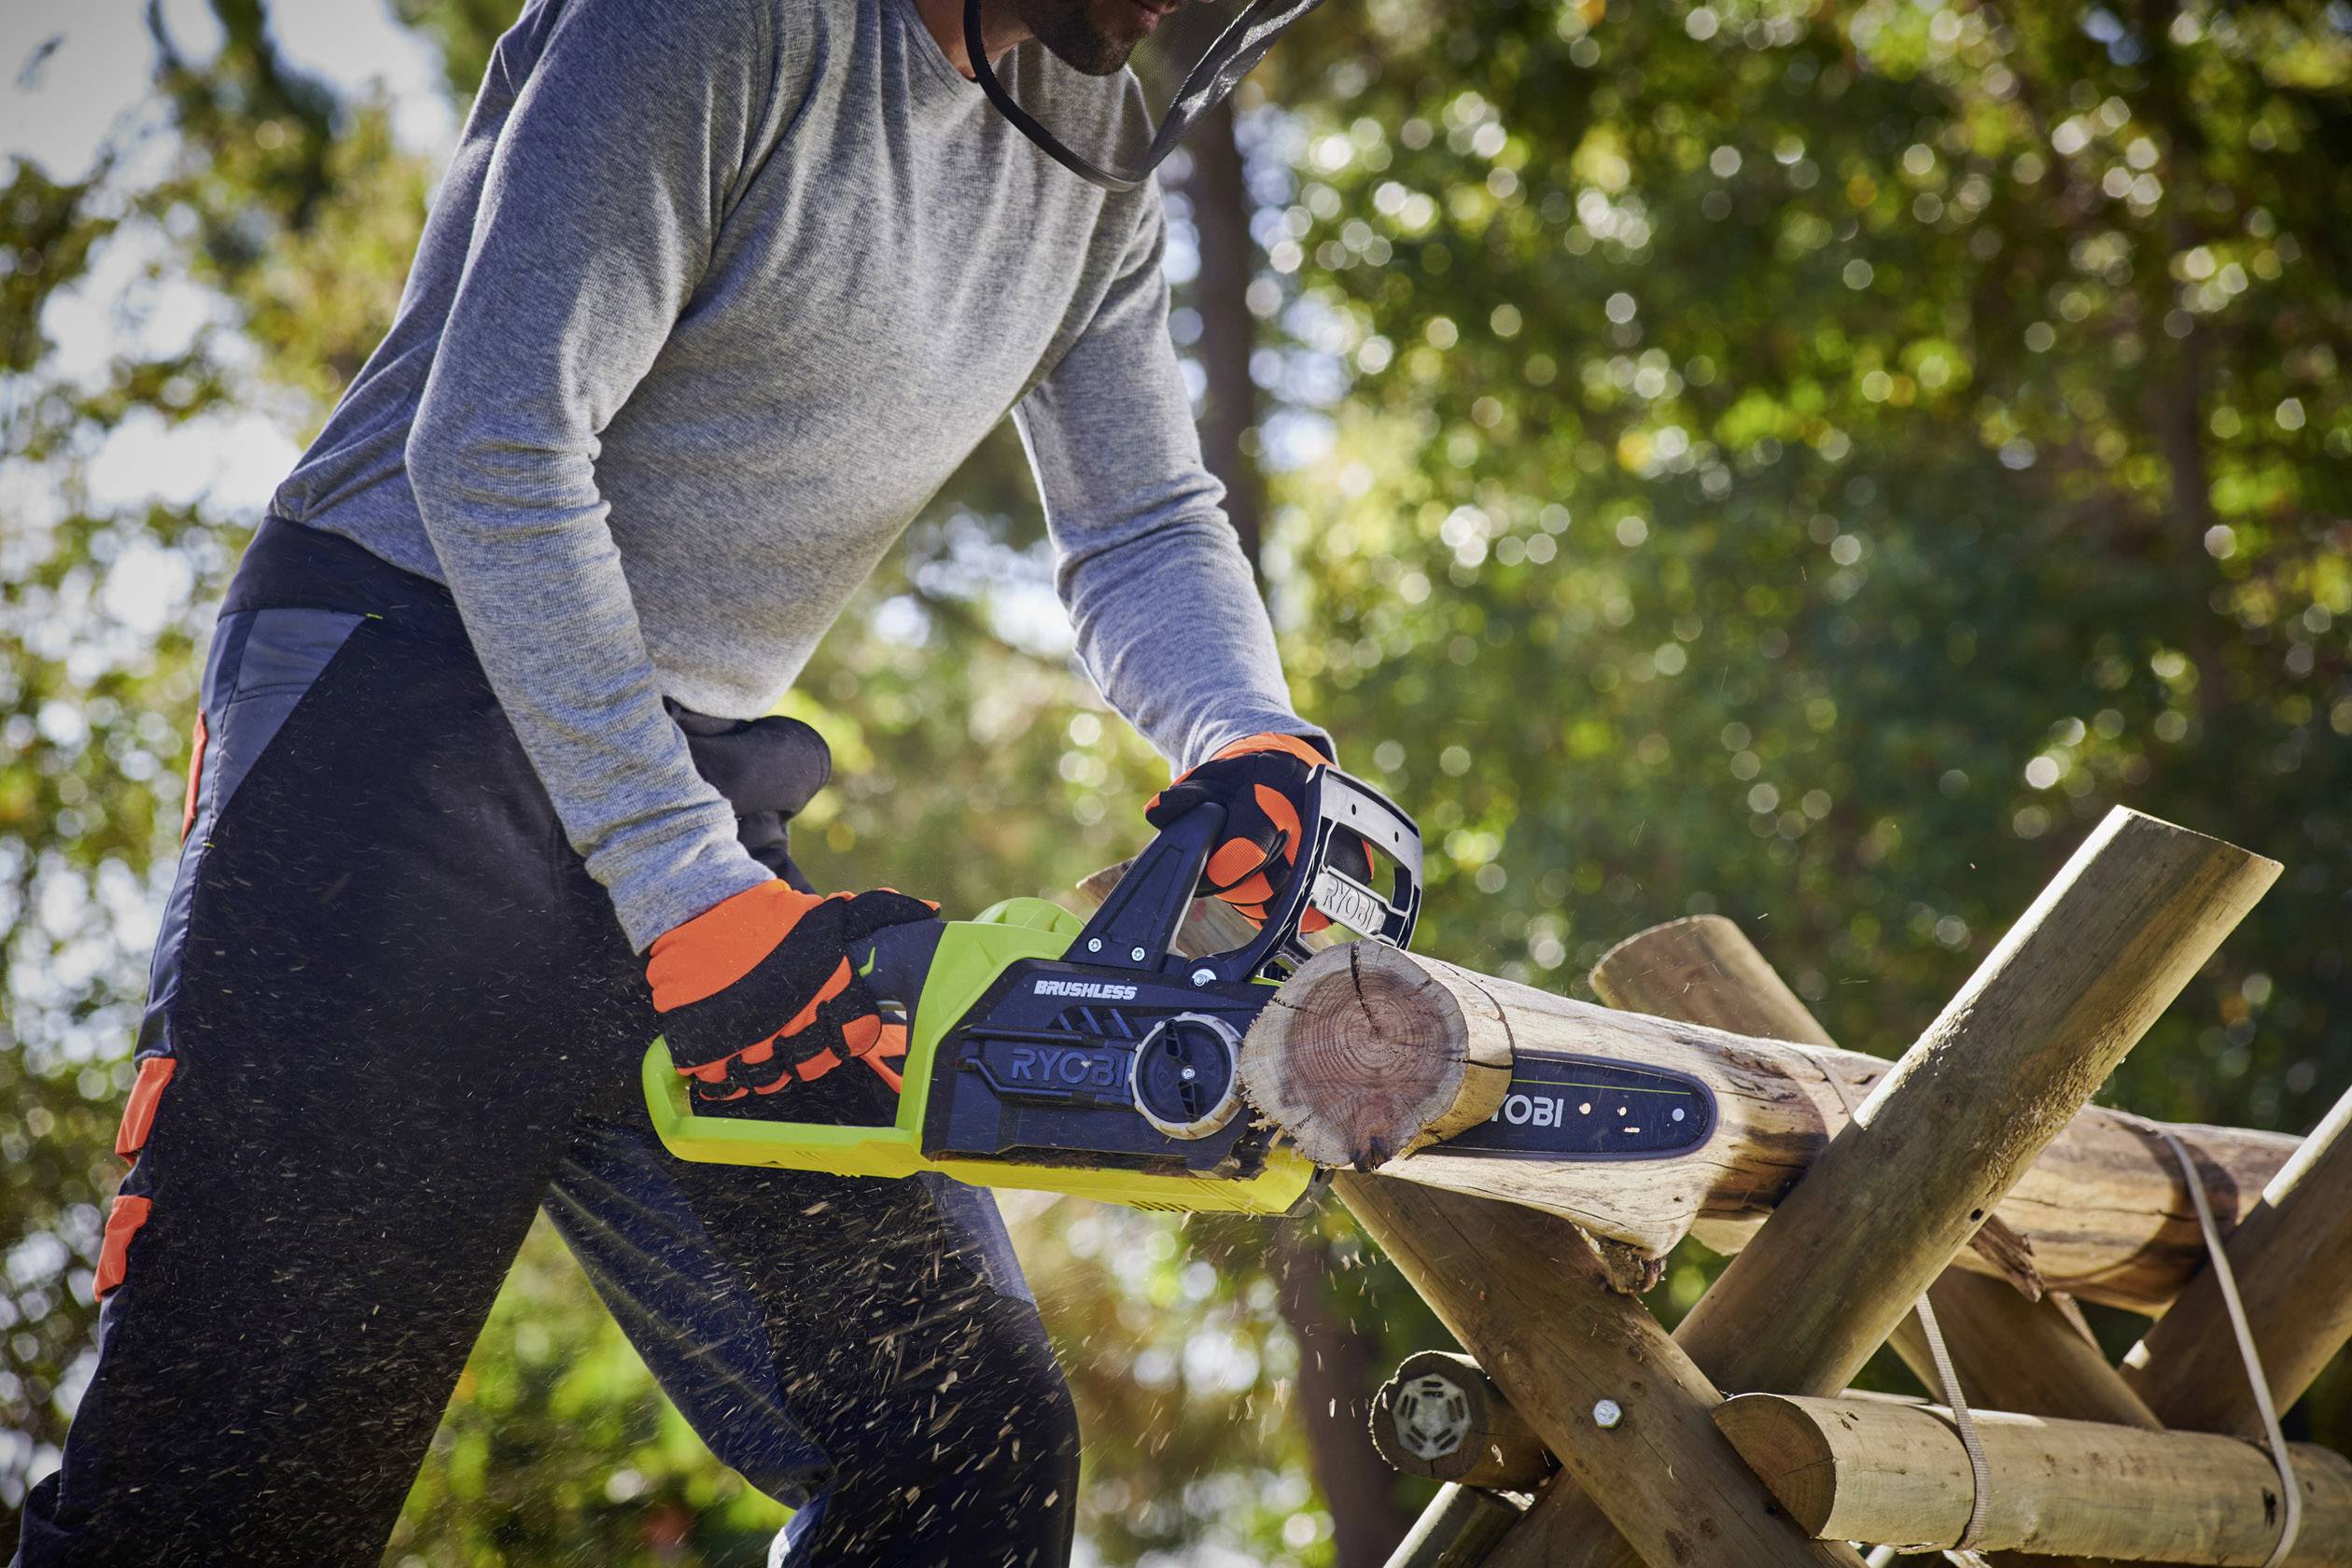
pixel 716 295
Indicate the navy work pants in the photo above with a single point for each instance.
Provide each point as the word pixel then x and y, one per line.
pixel 392 1018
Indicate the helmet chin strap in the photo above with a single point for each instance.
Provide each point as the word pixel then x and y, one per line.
pixel 1238 49
pixel 983 72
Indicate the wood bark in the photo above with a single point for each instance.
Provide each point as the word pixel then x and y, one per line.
pixel 2292 1258
pixel 1891 1471
pixel 1439 1415
pixel 2060 999
pixel 2103 1209
pixel 1528 1290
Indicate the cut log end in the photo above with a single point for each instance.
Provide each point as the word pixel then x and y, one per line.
pixel 1439 1416
pixel 1359 1056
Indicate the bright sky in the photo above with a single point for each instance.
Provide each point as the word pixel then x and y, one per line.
pixel 55 107
pixel 76 73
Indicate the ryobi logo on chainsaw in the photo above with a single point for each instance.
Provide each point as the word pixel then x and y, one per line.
pixel 1350 903
pixel 1521 1109
pixel 1060 1068
pixel 1092 990
pixel 1563 1107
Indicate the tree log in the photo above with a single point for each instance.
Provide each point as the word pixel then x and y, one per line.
pixel 2292 1276
pixel 2103 1209
pixel 2106 1210
pixel 1884 1470
pixel 1705 971
pixel 2020 1356
pixel 2292 1259
pixel 1998 1075
pixel 2030 1356
pixel 1367 1053
pixel 2034 1356
pixel 1528 1290
pixel 2108 944
pixel 1440 1416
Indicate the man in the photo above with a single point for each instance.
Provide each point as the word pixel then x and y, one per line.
pixel 715 295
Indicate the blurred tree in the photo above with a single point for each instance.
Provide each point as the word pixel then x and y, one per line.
pixel 1213 188
pixel 95 679
pixel 1341 1359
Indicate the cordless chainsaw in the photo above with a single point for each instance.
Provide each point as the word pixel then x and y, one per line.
pixel 1062 1055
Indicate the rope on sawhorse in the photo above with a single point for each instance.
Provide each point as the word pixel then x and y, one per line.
pixel 2225 1277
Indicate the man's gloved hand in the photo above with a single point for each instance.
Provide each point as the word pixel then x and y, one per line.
pixel 758 992
pixel 1261 782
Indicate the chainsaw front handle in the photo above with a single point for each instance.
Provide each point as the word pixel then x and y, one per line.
pixel 1138 920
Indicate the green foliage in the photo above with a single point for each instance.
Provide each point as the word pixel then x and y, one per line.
pixel 465 29
pixel 1811 465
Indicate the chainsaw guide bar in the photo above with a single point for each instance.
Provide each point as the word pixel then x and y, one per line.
pixel 1562 1107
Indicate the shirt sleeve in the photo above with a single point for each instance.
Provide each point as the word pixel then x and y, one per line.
pixel 1170 621
pixel 596 220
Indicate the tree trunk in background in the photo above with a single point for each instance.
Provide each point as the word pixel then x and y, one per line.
pixel 1340 1364
pixel 1339 1371
pixel 1229 333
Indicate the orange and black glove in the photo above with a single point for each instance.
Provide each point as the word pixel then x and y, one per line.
pixel 758 992
pixel 1261 782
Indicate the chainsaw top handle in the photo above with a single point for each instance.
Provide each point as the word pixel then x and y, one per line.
pixel 1134 926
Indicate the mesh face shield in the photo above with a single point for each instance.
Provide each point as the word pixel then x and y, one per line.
pixel 1063 89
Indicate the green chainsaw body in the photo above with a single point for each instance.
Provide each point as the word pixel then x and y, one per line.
pixel 971 955
pixel 1053 1054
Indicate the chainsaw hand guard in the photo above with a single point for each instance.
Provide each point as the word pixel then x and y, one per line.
pixel 1137 922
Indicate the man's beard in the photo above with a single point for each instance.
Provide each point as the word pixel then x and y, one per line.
pixel 1069 28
